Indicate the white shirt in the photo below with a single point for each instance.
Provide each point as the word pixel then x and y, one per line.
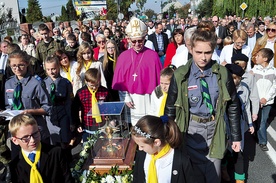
pixel 252 42
pixel 150 31
pixel 181 56
pixel 73 66
pixel 79 82
pixel 149 44
pixel 227 52
pixel 163 167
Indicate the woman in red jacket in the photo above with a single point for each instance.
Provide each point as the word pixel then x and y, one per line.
pixel 178 39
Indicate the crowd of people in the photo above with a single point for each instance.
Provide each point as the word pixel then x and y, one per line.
pixel 196 92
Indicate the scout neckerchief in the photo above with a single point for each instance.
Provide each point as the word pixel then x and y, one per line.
pixel 88 64
pixel 206 95
pixel 152 175
pixel 53 92
pixel 113 60
pixel 95 107
pixel 17 103
pixel 163 103
pixel 35 176
pixel 68 71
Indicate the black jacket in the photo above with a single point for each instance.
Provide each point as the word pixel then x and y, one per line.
pixel 182 171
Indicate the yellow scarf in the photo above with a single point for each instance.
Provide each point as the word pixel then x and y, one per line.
pixel 163 103
pixel 88 64
pixel 35 176
pixel 112 59
pixel 95 107
pixel 67 71
pixel 152 174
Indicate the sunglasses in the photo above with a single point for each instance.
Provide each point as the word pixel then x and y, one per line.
pixel 270 30
pixel 99 42
pixel 135 41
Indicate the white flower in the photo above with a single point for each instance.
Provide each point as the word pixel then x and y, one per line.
pixel 103 180
pixel 118 178
pixel 110 179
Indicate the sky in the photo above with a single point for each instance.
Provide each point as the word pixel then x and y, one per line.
pixel 54 6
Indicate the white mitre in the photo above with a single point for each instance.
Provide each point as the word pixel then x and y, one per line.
pixel 136 28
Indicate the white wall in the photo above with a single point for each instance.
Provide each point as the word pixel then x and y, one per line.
pixel 14 5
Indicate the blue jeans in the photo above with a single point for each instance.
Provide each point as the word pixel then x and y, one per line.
pixel 263 116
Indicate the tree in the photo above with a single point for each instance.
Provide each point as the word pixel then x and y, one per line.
pixel 71 11
pixel 140 4
pixel 149 13
pixel 64 15
pixel 204 9
pixel 170 13
pixel 184 11
pixel 255 8
pixel 112 8
pixel 34 11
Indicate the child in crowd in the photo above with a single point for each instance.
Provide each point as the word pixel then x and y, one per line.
pixel 249 81
pixel 109 61
pixel 160 93
pixel 67 69
pixel 86 100
pixel 227 41
pixel 27 93
pixel 72 47
pixel 37 162
pixel 86 61
pixel 159 158
pixel 246 121
pixel 265 75
pixel 61 95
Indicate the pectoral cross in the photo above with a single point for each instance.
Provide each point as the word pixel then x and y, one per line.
pixel 134 76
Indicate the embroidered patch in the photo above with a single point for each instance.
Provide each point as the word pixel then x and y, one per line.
pixel 195 99
pixel 193 87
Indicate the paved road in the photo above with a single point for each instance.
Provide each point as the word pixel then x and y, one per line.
pixel 263 168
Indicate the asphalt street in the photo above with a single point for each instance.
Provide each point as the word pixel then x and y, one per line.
pixel 263 168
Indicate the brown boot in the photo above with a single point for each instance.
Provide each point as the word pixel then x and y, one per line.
pixel 239 181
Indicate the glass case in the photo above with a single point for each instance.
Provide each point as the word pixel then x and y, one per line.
pixel 114 135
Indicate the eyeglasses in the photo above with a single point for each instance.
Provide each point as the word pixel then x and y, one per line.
pixel 110 48
pixel 135 41
pixel 214 21
pixel 270 30
pixel 20 66
pixel 27 138
pixel 239 43
pixel 100 42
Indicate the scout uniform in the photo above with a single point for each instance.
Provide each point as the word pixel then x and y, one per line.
pixel 33 96
pixel 61 106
